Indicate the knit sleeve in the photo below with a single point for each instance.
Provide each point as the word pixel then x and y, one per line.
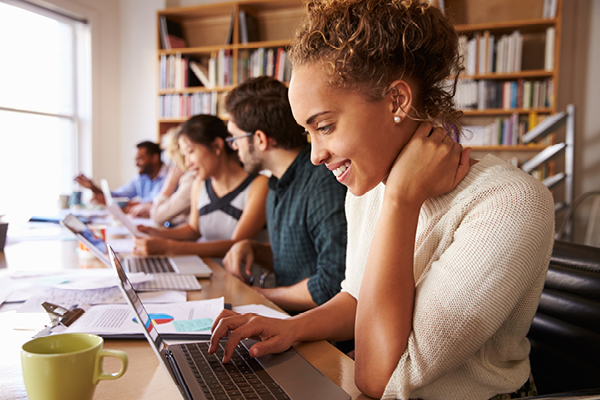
pixel 484 286
pixel 164 208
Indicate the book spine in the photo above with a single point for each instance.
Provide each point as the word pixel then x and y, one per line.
pixel 549 49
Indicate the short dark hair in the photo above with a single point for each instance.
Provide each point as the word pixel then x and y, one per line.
pixel 151 147
pixel 262 104
pixel 204 129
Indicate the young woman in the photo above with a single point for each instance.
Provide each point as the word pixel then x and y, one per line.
pixel 446 256
pixel 227 204
pixel 172 205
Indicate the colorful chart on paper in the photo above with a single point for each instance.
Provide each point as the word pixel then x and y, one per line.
pixel 159 318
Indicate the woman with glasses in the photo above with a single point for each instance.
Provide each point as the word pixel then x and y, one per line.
pixel 227 204
pixel 446 255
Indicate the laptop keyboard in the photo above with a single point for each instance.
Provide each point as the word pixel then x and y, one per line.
pixel 172 281
pixel 150 265
pixel 242 378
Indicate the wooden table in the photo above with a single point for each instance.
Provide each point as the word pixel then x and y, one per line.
pixel 145 378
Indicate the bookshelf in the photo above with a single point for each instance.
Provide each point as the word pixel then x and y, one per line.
pixel 527 29
pixel 511 54
pixel 230 41
pixel 509 90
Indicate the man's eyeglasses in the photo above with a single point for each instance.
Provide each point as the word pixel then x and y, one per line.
pixel 231 141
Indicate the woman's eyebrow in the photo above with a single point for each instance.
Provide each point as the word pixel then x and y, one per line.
pixel 312 118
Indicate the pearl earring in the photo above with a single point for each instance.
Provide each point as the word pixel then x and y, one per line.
pixel 397 119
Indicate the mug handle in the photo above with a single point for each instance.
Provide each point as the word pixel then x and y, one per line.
pixel 100 374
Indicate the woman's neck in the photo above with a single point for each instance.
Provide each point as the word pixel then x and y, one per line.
pixel 229 175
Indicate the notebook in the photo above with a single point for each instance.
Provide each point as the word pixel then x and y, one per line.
pixel 199 375
pixel 116 212
pixel 113 206
pixel 174 272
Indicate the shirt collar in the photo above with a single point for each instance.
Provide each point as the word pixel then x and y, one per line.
pixel 162 172
pixel 288 176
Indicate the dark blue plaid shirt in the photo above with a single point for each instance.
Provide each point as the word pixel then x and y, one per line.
pixel 307 227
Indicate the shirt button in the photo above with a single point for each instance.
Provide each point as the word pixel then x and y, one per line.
pixel 275 227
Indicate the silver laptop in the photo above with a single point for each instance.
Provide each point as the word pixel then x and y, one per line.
pixel 108 199
pixel 174 272
pixel 199 375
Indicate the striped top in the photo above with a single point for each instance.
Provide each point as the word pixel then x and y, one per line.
pixel 218 216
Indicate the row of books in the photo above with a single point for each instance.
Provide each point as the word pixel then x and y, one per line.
pixel 273 62
pixel 550 7
pixel 543 171
pixel 187 105
pixel 178 72
pixel 172 36
pixel 174 72
pixel 502 131
pixel 491 94
pixel 484 53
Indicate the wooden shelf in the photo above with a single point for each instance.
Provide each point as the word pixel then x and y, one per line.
pixel 206 29
pixel 266 44
pixel 195 89
pixel 538 73
pixel 211 49
pixel 172 120
pixel 518 147
pixel 493 112
pixel 525 26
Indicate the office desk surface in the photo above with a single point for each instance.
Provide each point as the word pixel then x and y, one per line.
pixel 145 378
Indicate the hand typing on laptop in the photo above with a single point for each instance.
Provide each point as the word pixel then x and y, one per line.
pixel 275 335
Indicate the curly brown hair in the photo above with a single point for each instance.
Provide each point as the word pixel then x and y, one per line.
pixel 368 44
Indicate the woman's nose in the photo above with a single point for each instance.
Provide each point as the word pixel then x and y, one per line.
pixel 318 153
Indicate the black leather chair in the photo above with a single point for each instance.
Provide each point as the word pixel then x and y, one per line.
pixel 565 334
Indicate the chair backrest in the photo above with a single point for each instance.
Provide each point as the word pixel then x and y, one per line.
pixel 565 333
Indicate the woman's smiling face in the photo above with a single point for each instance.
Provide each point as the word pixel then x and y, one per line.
pixel 355 137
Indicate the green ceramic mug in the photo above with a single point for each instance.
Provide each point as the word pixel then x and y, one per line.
pixel 67 366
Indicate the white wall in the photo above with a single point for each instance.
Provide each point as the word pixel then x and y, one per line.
pixel 139 78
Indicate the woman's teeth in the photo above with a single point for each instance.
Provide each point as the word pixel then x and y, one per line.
pixel 341 169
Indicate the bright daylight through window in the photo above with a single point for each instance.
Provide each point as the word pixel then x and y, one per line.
pixel 44 93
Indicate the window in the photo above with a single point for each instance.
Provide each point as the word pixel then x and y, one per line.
pixel 44 79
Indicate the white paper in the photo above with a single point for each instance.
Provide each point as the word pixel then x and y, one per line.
pixel 260 310
pixel 110 280
pixel 116 211
pixel 117 319
pixel 68 299
pixel 24 284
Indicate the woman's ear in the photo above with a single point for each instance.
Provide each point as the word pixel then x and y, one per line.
pixel 217 146
pixel 401 100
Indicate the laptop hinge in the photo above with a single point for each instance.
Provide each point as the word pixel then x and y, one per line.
pixel 176 373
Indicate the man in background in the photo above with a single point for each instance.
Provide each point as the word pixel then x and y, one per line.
pixel 305 205
pixel 141 189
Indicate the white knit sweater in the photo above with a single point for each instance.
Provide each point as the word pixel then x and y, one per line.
pixel 481 257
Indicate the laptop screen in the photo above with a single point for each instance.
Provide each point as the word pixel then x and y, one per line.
pixel 83 232
pixel 134 300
